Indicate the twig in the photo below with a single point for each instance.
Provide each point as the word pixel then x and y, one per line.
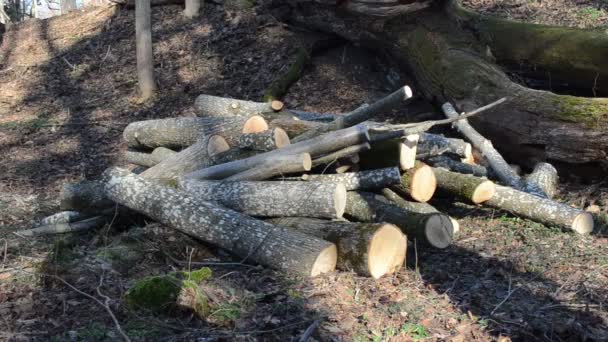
pixel 106 305
pixel 309 331
pixel 5 253
pixel 68 63
pixel 509 293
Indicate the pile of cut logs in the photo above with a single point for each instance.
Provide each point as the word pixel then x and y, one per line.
pixel 307 192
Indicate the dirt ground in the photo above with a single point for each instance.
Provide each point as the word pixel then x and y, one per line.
pixel 68 89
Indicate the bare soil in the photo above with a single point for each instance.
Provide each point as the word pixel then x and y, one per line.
pixel 68 88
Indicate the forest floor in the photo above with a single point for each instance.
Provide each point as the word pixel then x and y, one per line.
pixel 68 89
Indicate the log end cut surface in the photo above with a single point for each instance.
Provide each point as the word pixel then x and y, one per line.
pixel 281 138
pixel 326 261
pixel 483 192
pixel 583 223
pixel 387 251
pixel 255 124
pixel 340 199
pixel 423 184
pixel 439 231
pixel 217 144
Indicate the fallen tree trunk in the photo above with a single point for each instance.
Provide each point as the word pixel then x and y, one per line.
pixel 541 209
pixel 363 180
pixel 369 249
pixel 248 238
pixel 273 199
pixel 476 190
pixel 433 228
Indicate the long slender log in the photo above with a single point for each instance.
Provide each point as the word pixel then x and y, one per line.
pixel 65 227
pixel 433 228
pixel 363 180
pixel 312 116
pixel 322 145
pixel 280 166
pixel 430 145
pixel 64 217
pixel 264 141
pixel 362 113
pixel 248 238
pixel 418 183
pixel 343 153
pixel 456 166
pixel 395 152
pixel 543 180
pixel 215 106
pixel 497 163
pixel 417 207
pixel 541 209
pixel 370 249
pixel 475 189
pixel 273 199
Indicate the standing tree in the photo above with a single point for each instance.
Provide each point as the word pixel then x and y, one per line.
pixel 143 41
pixel 192 8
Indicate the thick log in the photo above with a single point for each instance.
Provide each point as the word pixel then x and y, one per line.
pixel 66 227
pixel 543 180
pixel 475 189
pixel 268 140
pixel 248 238
pixel 279 166
pixel 215 106
pixel 417 207
pixel 393 152
pixel 322 145
pixel 541 209
pixel 183 132
pixel 273 199
pixel 430 145
pixel 418 183
pixel 363 180
pixel 149 159
pixel 433 228
pixel 339 154
pixel 369 249
pixel 294 126
pixel 86 197
pixel 500 167
pixel 361 114
pixel 456 166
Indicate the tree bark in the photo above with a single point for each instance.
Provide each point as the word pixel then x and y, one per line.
pixel 543 177
pixel 340 154
pixel 433 228
pixel 430 145
pixel 294 126
pixel 268 140
pixel 456 166
pixel 64 217
pixel 215 106
pixel 66 227
pixel 541 210
pixel 143 42
pixel 149 159
pixel 248 238
pixel 388 153
pixel 476 190
pixel 273 199
pixel 369 249
pixel 363 180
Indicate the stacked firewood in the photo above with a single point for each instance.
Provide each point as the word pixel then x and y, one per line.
pixel 307 192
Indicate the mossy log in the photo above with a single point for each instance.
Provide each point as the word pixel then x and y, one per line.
pixel 541 209
pixel 148 159
pixel 273 199
pixel 362 180
pixel 418 183
pixel 417 207
pixel 450 65
pixel 433 228
pixel 544 177
pixel 393 152
pixel 327 143
pixel 369 249
pixel 474 189
pixel 576 57
pixel 268 140
pixel 183 132
pixel 430 145
pixel 248 238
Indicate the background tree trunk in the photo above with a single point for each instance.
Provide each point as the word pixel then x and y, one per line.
pixel 143 41
pixel 192 8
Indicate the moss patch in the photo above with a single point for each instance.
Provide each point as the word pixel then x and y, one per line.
pixel 591 112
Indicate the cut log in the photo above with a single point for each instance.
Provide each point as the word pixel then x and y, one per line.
pixel 322 145
pixel 361 114
pixel 248 238
pixel 394 152
pixel 312 116
pixel 268 140
pixel 183 132
pixel 431 145
pixel 541 210
pixel 475 189
pixel 294 126
pixel 433 228
pixel 500 167
pixel 542 181
pixel 231 155
pixel 418 183
pixel 66 227
pixel 64 217
pixel 86 197
pixel 417 207
pixel 363 180
pixel 215 106
pixel 343 153
pixel 456 166
pixel 273 199
pixel 149 159
pixel 217 144
pixel 386 8
pixel 369 249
